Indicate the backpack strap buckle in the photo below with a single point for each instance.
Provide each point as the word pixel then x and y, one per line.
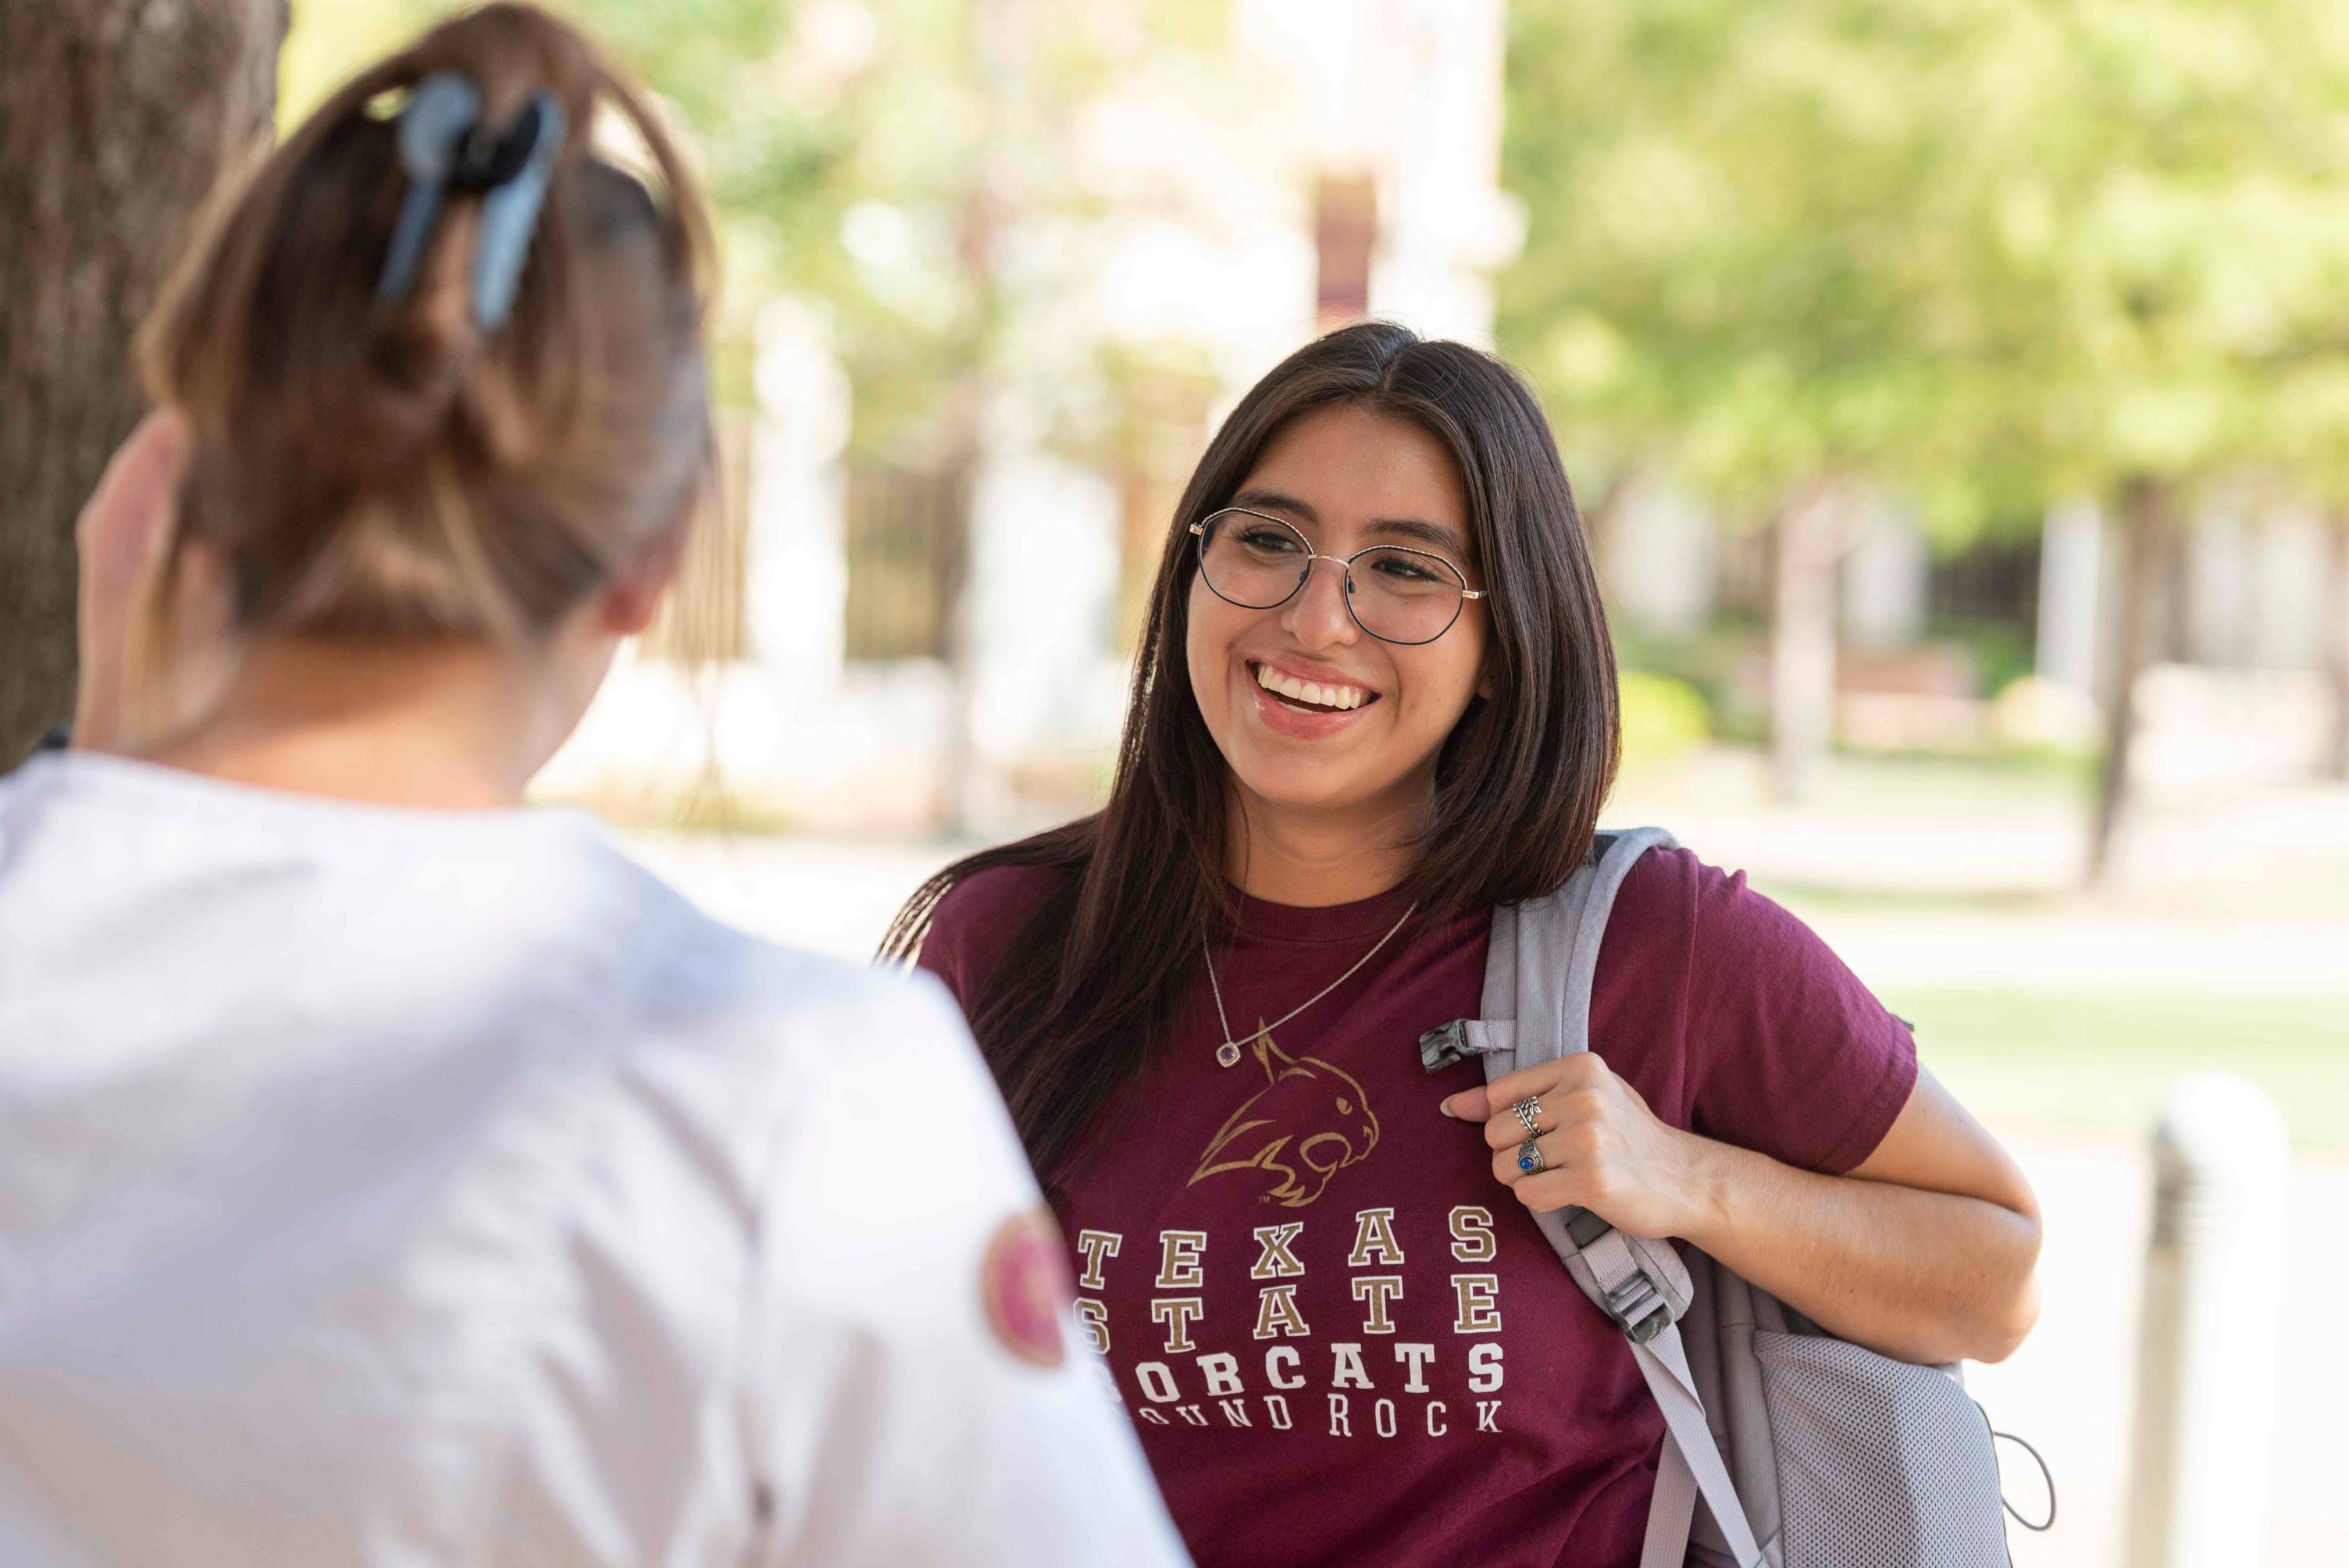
pixel 1626 1279
pixel 1640 1308
pixel 1455 1042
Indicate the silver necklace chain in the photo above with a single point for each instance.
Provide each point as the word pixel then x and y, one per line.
pixel 1228 1053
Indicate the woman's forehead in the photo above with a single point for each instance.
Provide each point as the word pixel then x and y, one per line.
pixel 1345 472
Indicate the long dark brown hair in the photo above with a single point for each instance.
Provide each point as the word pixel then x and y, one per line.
pixel 1079 1002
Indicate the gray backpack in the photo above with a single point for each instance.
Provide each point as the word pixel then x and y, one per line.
pixel 1809 1452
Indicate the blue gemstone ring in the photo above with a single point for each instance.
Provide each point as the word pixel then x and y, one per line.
pixel 1529 1158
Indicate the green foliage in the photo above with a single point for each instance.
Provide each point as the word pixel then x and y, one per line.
pixel 1998 651
pixel 1986 252
pixel 1715 663
pixel 1730 265
pixel 2092 1064
pixel 1663 720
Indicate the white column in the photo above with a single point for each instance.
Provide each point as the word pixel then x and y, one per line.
pixel 1043 587
pixel 1449 226
pixel 2071 611
pixel 797 553
pixel 2218 590
pixel 2289 575
pixel 2209 1344
pixel 1885 576
pixel 1664 560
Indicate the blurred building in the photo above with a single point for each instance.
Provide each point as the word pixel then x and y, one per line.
pixel 842 653
pixel 1928 639
pixel 911 642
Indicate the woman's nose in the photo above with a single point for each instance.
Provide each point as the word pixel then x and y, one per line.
pixel 1317 616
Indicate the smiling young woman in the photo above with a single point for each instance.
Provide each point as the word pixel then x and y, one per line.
pixel 1376 698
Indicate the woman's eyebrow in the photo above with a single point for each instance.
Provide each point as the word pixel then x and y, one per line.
pixel 1273 500
pixel 1429 533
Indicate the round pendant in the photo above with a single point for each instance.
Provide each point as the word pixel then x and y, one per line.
pixel 1227 1054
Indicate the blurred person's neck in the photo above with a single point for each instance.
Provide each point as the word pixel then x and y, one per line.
pixel 449 724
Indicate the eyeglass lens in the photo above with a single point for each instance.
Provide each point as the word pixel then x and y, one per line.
pixel 1396 594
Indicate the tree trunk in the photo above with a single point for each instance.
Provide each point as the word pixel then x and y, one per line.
pixel 2337 644
pixel 116 118
pixel 2143 516
pixel 1809 540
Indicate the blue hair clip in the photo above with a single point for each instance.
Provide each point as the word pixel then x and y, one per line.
pixel 443 145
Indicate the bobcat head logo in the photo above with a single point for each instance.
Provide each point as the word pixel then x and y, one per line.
pixel 1307 1122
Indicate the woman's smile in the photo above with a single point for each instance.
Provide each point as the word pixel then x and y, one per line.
pixel 1298 700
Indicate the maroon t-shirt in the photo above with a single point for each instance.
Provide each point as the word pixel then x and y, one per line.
pixel 1339 1338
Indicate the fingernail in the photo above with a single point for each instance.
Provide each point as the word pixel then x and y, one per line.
pixel 1445 1105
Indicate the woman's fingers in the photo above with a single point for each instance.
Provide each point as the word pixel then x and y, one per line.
pixel 1468 1104
pixel 1593 1137
pixel 1559 1147
pixel 1601 1149
pixel 1560 1091
pixel 1488 1100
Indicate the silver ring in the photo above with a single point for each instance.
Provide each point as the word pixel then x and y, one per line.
pixel 1528 1111
pixel 1530 1160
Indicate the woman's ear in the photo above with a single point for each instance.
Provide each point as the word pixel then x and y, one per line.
pixel 634 595
pixel 120 536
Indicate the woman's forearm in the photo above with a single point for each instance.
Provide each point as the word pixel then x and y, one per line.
pixel 1920 1275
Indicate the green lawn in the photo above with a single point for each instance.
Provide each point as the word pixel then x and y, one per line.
pixel 2096 1065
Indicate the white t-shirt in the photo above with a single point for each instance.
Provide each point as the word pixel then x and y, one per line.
pixel 396 1187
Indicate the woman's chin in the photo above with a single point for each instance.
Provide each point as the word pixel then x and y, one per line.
pixel 1283 790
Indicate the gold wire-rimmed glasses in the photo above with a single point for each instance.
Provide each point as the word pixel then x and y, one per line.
pixel 1396 593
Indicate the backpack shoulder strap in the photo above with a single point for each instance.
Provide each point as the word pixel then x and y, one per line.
pixel 1538 973
pixel 1539 976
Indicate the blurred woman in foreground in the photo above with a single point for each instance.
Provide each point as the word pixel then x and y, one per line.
pixel 390 1173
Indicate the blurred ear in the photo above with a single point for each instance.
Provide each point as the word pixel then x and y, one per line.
pixel 120 537
pixel 634 595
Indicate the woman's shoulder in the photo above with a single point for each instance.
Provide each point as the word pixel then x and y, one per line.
pixel 996 895
pixel 980 916
pixel 1674 907
pixel 1678 878
pixel 1667 887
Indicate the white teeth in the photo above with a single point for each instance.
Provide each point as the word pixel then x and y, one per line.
pixel 1315 692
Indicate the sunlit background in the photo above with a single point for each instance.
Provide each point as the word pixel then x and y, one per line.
pixel 1957 393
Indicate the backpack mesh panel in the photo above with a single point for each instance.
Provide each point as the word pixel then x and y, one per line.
pixel 1880 1464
